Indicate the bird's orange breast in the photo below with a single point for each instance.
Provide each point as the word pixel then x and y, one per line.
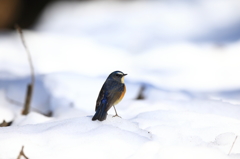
pixel 121 97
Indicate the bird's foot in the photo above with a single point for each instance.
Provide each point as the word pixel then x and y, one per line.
pixel 117 116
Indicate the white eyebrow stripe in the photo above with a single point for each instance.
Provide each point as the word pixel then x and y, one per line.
pixel 119 73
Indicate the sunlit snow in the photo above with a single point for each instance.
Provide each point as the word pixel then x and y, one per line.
pixel 191 105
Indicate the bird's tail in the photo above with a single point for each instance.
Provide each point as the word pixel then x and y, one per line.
pixel 101 113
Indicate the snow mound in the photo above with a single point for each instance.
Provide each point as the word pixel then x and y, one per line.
pixel 74 138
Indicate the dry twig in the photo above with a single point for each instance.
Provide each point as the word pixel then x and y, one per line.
pixel 49 114
pixel 233 145
pixel 141 93
pixel 31 85
pixel 4 123
pixel 22 154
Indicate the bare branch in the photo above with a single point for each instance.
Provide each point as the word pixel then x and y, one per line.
pixel 31 85
pixel 27 51
pixel 4 123
pixel 49 114
pixel 141 93
pixel 22 154
pixel 28 99
pixel 14 102
pixel 233 145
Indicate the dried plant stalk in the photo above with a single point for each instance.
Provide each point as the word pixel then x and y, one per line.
pixel 233 145
pixel 30 86
pixel 22 154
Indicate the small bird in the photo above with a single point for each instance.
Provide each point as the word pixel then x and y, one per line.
pixel 111 93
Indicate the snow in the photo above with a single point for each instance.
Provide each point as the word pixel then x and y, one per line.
pixel 191 106
pixel 140 25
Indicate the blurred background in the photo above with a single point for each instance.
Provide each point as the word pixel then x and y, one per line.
pixel 155 21
pixel 182 58
pixel 180 37
pixel 171 45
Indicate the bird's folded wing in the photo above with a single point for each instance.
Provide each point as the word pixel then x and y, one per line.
pixel 114 95
pixel 110 92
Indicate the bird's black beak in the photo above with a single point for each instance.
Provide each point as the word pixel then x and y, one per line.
pixel 124 74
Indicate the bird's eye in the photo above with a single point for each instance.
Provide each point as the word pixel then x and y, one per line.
pixel 117 75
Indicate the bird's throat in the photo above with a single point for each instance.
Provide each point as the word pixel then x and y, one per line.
pixel 122 80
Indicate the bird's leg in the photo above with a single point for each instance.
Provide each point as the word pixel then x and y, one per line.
pixel 116 112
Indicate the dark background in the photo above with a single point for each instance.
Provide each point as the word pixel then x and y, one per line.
pixel 23 12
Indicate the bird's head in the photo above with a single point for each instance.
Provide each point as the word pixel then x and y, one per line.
pixel 118 76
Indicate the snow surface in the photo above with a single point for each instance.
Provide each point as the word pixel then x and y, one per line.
pixel 191 107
